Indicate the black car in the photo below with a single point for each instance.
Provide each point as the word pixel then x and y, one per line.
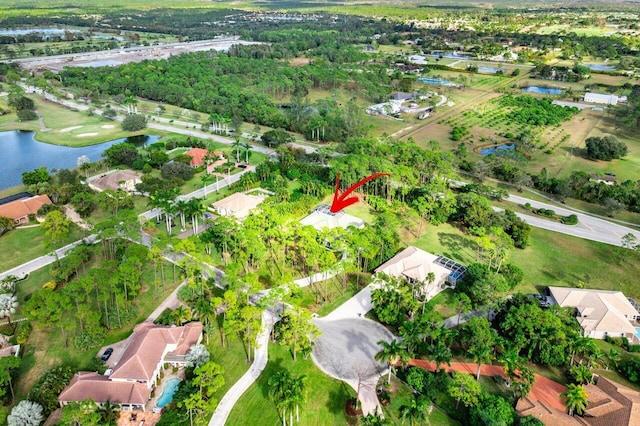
pixel 107 353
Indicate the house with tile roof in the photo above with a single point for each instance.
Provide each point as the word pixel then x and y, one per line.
pixel 415 265
pixel 115 180
pixel 600 313
pixel 20 209
pixel 238 205
pixel 198 156
pixel 133 378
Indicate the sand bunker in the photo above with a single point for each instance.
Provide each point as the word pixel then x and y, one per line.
pixel 107 126
pixel 84 135
pixel 68 129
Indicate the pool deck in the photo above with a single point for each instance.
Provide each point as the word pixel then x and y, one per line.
pixel 169 374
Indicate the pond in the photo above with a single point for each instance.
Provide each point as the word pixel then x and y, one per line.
pixel 21 152
pixel 170 388
pixel 600 67
pixel 491 70
pixel 437 81
pixel 451 55
pixel 492 149
pixel 542 90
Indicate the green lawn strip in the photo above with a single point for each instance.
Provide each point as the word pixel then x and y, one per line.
pixel 326 397
pixel 25 244
pixel 232 359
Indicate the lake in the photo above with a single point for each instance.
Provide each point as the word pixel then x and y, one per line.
pixel 599 67
pixel 438 81
pixel 491 70
pixel 492 149
pixel 21 152
pixel 542 90
pixel 451 55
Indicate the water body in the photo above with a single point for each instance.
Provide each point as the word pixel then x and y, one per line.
pixel 451 55
pixel 600 67
pixel 21 152
pixel 542 90
pixel 44 31
pixel 491 70
pixel 437 81
pixel 492 149
pixel 170 388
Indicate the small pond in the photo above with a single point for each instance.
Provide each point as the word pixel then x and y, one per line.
pixel 542 90
pixel 451 55
pixel 438 81
pixel 491 70
pixel 600 67
pixel 170 388
pixel 492 149
pixel 21 152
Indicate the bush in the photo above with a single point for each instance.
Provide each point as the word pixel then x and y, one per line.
pixel 569 220
pixel 27 115
pixel 134 122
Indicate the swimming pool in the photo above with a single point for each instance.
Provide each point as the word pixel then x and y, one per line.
pixel 638 332
pixel 170 388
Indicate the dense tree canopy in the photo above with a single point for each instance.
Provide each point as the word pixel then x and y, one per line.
pixel 605 148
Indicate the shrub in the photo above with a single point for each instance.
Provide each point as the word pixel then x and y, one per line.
pixel 569 220
pixel 605 148
pixel 27 115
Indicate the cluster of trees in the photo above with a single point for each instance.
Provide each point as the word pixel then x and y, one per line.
pixel 536 112
pixel 605 148
pixel 288 393
pixel 24 107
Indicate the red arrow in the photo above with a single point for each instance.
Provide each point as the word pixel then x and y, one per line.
pixel 340 201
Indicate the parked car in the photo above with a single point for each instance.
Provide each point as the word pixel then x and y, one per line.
pixel 107 353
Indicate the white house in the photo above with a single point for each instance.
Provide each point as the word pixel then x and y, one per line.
pixel 600 313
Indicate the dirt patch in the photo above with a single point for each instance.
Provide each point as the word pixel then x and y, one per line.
pixel 68 129
pixel 299 62
pixel 86 135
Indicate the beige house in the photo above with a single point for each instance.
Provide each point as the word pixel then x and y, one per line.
pixel 119 179
pixel 600 313
pixel 238 204
pixel 416 265
pixel 134 375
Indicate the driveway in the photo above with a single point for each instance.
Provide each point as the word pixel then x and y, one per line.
pixel 346 350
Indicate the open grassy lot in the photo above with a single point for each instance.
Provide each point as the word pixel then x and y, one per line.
pixel 326 397
pixel 25 244
pixel 232 359
pixel 551 259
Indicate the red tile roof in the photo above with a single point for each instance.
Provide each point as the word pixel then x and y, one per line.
pixel 198 154
pixel 92 385
pixel 22 208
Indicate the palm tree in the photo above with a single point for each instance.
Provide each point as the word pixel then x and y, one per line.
pixel 415 412
pixel 236 144
pixel 298 393
pixel 182 208
pixel 575 399
pixel 375 420
pixel 581 374
pixel 110 413
pixel 205 179
pixel 247 150
pixel 440 353
pixel 614 358
pixel 392 352
pixel 510 359
pixel 278 392
pixel 196 209
pixel 481 354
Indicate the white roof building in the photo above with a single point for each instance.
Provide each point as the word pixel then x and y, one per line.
pixel 600 313
pixel 238 205
pixel 321 218
pixel 601 98
pixel 415 265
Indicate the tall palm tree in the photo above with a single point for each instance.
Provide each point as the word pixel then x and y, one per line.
pixel 236 144
pixel 298 393
pixel 440 353
pixel 575 399
pixel 182 208
pixel 279 392
pixel 392 352
pixel 481 354
pixel 247 149
pixel 416 412
pixel 510 359
pixel 196 209
pixel 581 374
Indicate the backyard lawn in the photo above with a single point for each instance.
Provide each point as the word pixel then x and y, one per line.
pixel 326 397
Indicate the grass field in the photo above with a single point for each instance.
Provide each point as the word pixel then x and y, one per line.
pixel 551 259
pixel 25 244
pixel 232 359
pixel 326 397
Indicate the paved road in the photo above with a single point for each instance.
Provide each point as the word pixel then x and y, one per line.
pixel 588 227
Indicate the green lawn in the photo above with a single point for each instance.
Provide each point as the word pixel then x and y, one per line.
pixel 326 397
pixel 551 259
pixel 232 359
pixel 26 244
